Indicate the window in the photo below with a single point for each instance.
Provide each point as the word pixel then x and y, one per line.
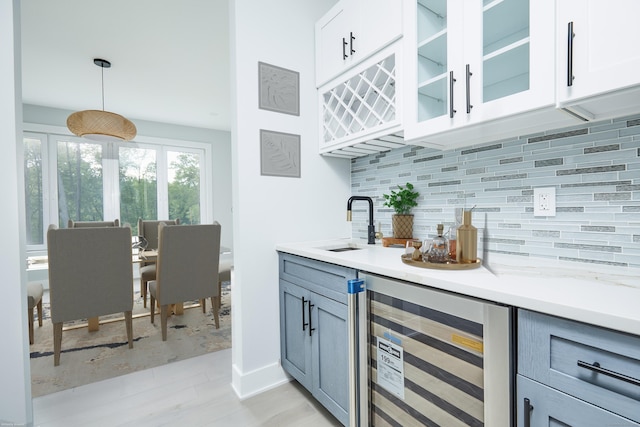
pixel 184 186
pixel 34 172
pixel 72 178
pixel 80 181
pixel 138 184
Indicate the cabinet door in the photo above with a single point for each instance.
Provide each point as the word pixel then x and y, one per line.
pixel 605 54
pixel 333 43
pixel 516 72
pixel 380 24
pixel 548 407
pixel 352 31
pixel 433 50
pixel 330 356
pixel 473 62
pixel 295 339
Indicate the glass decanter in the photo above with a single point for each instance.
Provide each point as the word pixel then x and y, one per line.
pixel 438 250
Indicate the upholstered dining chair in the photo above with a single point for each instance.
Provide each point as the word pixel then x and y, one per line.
pixel 187 268
pixel 78 224
pixel 35 290
pixel 224 275
pixel 90 275
pixel 149 230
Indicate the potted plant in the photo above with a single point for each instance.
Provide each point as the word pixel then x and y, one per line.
pixel 402 201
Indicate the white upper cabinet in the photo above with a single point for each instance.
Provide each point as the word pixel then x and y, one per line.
pixel 353 30
pixel 472 62
pixel 598 57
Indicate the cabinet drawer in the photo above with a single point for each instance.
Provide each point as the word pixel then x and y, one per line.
pixel 548 407
pixel 594 364
pixel 326 279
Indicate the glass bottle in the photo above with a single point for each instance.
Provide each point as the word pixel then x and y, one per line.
pixel 439 248
pixel 467 241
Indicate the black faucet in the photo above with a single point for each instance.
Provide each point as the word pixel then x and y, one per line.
pixel 371 230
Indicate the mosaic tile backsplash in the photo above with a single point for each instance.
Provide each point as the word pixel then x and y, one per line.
pixel 595 169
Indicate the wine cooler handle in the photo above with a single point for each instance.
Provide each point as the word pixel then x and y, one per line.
pixel 526 413
pixel 451 82
pixel 595 367
pixel 570 35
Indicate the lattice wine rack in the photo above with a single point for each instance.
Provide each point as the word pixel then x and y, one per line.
pixel 363 102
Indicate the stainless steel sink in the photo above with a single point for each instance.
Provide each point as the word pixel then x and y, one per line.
pixel 344 249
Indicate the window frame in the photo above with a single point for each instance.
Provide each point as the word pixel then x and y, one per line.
pixel 49 137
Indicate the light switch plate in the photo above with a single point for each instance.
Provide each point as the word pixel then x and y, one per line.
pixel 544 201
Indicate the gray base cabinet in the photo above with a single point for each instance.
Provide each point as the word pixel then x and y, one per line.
pixel 313 329
pixel 573 374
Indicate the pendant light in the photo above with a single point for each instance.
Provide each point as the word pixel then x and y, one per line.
pixel 101 125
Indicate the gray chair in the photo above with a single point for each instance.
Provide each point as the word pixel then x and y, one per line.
pixel 35 291
pixel 224 275
pixel 78 224
pixel 149 230
pixel 187 268
pixel 90 275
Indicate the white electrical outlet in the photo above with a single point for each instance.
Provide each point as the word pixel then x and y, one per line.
pixel 544 201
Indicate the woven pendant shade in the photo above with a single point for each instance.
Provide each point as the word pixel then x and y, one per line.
pixel 103 124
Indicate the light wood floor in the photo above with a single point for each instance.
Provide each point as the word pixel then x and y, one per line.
pixel 194 392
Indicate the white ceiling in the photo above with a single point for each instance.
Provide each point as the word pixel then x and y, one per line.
pixel 170 58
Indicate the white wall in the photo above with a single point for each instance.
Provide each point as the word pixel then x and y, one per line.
pixel 15 393
pixel 268 210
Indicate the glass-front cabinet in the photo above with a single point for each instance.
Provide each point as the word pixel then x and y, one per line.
pixel 471 62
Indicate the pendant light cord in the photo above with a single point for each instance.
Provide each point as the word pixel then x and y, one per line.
pixel 102 69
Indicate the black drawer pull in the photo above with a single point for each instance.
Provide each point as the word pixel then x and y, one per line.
pixel 528 407
pixel 597 368
pixel 311 328
pixel 304 324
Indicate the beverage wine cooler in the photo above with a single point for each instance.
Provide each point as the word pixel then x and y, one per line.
pixel 420 356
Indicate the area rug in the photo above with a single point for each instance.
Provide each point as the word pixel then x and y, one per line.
pixel 88 357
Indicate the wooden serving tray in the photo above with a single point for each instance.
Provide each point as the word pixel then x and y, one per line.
pixel 388 241
pixel 450 265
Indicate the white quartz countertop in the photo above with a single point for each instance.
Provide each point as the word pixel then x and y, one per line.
pixel 601 295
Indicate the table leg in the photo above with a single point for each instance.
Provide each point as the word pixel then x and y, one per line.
pixel 179 308
pixel 94 324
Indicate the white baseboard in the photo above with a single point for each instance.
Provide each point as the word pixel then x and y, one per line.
pixel 260 380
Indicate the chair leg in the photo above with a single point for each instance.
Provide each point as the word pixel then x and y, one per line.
pixel 40 313
pixel 57 342
pixel 203 303
pixel 128 320
pixel 143 292
pixel 152 303
pixel 214 307
pixel 163 320
pixel 30 322
pixel 216 303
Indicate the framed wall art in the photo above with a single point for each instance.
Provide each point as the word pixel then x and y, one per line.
pixel 279 154
pixel 279 89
